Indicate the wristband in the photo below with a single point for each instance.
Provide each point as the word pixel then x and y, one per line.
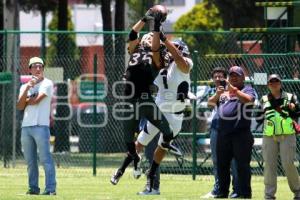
pixel 133 35
pixel 156 27
pixel 144 19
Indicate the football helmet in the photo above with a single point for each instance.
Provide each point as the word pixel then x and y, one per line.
pixel 181 46
pixel 146 40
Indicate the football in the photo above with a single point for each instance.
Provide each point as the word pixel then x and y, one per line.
pixel 160 9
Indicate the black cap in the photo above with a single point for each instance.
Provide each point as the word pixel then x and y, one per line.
pixel 274 76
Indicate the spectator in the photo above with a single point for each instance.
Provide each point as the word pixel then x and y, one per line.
pixel 279 109
pixel 219 75
pixel 234 138
pixel 35 99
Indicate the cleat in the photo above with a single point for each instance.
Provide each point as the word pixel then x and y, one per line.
pixel 172 149
pixel 116 177
pixel 137 171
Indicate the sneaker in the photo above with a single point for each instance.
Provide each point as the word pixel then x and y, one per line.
pixel 172 149
pixel 208 196
pixel 149 191
pixel 49 193
pixel 116 177
pixel 137 171
pixel 32 192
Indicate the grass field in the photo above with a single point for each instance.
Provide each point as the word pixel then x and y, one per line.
pixel 79 184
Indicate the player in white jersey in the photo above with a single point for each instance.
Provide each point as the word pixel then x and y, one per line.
pixel 173 85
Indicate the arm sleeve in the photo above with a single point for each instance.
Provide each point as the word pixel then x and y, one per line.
pixel 190 62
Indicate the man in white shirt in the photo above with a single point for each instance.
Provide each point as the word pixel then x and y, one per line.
pixel 35 100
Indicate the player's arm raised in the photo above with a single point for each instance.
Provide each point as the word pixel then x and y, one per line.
pixel 182 64
pixel 133 35
pixel 160 14
pixel 156 43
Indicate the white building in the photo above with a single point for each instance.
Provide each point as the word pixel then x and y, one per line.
pixel 88 18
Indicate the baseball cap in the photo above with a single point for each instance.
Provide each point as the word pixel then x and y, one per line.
pixel 274 76
pixel 236 69
pixel 35 60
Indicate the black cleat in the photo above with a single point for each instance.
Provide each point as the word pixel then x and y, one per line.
pixel 116 177
pixel 172 149
pixel 137 170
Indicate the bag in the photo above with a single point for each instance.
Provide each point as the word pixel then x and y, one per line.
pixel 296 127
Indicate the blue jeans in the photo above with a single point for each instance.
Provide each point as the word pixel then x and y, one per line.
pixel 213 146
pixel 35 138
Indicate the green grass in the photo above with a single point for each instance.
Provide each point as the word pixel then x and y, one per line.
pixel 79 184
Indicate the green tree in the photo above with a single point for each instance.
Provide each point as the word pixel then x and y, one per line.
pixel 240 13
pixel 43 7
pixel 137 9
pixel 204 16
pixel 68 54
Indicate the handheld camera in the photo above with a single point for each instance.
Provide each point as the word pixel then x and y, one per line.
pixel 223 83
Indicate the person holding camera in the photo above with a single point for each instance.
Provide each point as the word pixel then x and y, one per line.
pixel 219 76
pixel 278 111
pixel 234 138
pixel 35 100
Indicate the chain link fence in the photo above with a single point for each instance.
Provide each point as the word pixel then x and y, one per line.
pixel 82 63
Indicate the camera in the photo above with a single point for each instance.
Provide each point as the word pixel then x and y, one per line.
pixel 223 83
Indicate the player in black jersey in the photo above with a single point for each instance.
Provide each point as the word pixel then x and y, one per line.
pixel 144 64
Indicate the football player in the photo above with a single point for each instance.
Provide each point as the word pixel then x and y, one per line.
pixel 143 66
pixel 173 84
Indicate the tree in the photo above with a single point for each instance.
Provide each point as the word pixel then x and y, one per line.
pixel 1 36
pixel 43 7
pixel 240 13
pixel 203 17
pixel 63 52
pixel 138 8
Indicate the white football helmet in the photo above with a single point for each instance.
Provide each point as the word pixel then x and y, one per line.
pixel 146 40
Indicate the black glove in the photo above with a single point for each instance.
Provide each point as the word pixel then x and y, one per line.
pixel 149 15
pixel 157 21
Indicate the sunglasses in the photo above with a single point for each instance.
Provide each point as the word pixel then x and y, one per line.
pixel 274 81
pixel 35 66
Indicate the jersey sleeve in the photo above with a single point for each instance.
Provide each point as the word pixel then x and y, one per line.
pixel 190 62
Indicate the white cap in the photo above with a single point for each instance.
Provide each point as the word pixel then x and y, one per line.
pixel 35 60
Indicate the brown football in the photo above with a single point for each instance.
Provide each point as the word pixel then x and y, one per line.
pixel 161 9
